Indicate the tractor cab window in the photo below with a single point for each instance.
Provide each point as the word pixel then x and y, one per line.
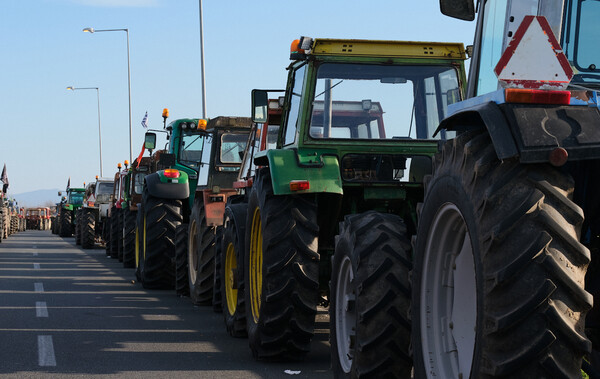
pixel 295 96
pixel 103 192
pixel 138 185
pixel 190 151
pixel 76 198
pixel 362 101
pixel 232 147
pixel 580 41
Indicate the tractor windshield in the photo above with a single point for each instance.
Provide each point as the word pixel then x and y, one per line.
pixel 103 191
pixel 580 40
pixel 365 101
pixel 76 198
pixel 190 152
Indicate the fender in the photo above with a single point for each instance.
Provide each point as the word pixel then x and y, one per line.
pixel 530 132
pixel 491 116
pixel 165 188
pixel 239 212
pixel 321 171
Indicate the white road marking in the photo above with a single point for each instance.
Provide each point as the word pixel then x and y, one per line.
pixel 38 287
pixel 46 351
pixel 40 309
pixel 36 266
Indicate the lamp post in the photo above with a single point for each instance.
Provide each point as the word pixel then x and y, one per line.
pixel 99 127
pixel 92 30
pixel 202 62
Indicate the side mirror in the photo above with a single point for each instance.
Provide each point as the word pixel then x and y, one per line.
pixel 461 9
pixel 150 141
pixel 260 103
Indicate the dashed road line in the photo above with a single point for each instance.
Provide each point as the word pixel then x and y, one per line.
pixel 46 351
pixel 40 309
pixel 38 287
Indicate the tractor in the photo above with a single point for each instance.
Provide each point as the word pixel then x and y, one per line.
pixel 356 136
pixel 34 218
pixel 185 194
pixel 113 233
pixel 509 223
pixel 66 217
pixel 93 215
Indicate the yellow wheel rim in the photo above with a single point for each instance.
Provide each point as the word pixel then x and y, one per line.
pixel 231 292
pixel 255 264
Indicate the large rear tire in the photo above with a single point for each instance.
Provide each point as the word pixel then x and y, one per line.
pixel 370 298
pixel 281 275
pixel 129 225
pixel 201 256
pixel 498 282
pixel 182 287
pixel 88 228
pixel 232 270
pixel 161 218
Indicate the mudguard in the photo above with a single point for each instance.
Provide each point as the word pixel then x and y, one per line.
pixel 166 188
pixel 532 131
pixel 239 212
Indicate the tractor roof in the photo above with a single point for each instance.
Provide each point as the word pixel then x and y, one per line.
pixel 378 48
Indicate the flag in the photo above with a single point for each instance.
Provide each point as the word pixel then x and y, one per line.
pixel 139 158
pixel 145 121
pixel 69 184
pixel 4 179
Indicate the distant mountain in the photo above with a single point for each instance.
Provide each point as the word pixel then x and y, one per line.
pixel 39 198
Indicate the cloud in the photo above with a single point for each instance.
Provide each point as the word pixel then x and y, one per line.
pixel 118 3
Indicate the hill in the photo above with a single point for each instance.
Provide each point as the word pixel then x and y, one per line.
pixel 39 198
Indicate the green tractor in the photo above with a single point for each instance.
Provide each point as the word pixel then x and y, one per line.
pixel 66 217
pixel 174 196
pixel 356 136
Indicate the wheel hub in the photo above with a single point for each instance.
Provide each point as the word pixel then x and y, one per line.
pixel 449 297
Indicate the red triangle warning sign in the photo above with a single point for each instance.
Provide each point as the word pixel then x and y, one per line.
pixel 534 58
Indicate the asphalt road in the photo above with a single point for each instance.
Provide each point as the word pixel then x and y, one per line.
pixel 69 312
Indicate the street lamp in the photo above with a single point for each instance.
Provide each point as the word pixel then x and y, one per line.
pixel 71 88
pixel 92 30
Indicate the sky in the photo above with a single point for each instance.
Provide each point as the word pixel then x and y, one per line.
pixel 50 134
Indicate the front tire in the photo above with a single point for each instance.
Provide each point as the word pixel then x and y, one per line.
pixel 281 275
pixel 129 225
pixel 65 223
pixel 77 226
pixel 232 270
pixel 201 256
pixel 498 283
pixel 181 260
pixel 88 228
pixel 370 298
pixel 114 232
